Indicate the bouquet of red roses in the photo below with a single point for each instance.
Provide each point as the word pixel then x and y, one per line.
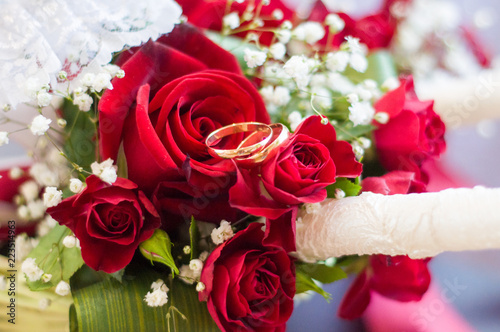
pixel 186 162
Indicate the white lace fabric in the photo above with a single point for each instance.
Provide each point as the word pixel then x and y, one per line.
pixel 42 37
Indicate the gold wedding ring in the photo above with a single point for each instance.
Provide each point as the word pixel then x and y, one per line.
pixel 279 136
pixel 260 129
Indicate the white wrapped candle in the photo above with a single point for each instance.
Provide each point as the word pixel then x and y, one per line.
pixel 418 225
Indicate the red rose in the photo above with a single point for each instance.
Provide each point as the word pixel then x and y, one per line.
pixel 413 134
pixel 299 173
pixel 375 31
pixel 400 277
pixel 249 286
pixel 109 220
pixel 209 14
pixel 171 102
pixel 183 51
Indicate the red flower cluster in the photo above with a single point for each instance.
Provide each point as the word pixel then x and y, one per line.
pixel 413 134
pixel 400 277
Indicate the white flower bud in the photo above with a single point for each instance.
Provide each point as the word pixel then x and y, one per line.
pixel 284 35
pixel 75 185
pixel 69 241
pixel 335 23
pixel 102 81
pixel 186 250
pixel 309 32
pixel 62 75
pixel 339 193
pixel 278 14
pixel 156 298
pixel 223 233
pixel 196 265
pixel 88 80
pixel 40 125
pixel 62 123
pixel 337 61
pixel 29 190
pixel 63 288
pixel 15 173
pixel 381 117
pixel 46 277
pixel 120 73
pixel 231 21
pixel 278 51
pixel 200 287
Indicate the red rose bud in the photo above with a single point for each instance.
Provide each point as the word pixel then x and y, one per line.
pixel 413 134
pixel 249 286
pixel 158 248
pixel 109 220
pixel 299 173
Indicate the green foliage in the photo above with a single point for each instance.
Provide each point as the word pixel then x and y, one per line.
pixel 55 259
pixel 308 273
pixel 350 188
pixel 158 248
pixel 80 143
pixel 113 306
pixel 194 236
pixel 347 131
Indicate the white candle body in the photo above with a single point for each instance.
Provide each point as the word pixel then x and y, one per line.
pixel 417 225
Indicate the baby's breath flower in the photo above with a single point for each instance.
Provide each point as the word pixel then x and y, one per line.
pixel 361 113
pixel 69 241
pixel 381 117
pixel 43 98
pixel 75 185
pixel 358 62
pixel 337 61
pixel 105 170
pixel 40 125
pixel 294 118
pixel 36 209
pixel 62 123
pixel 63 288
pixel 32 271
pixel 52 196
pixel 278 51
pixel 335 23
pixel 88 80
pixel 339 193
pixel 200 287
pixel 284 35
pixel 231 21
pixel 186 250
pixel 156 298
pixel 222 233
pixel 102 81
pixel 15 173
pixel 309 32
pixel 278 14
pixel 29 190
pixel 46 277
pixel 83 101
pixel 254 58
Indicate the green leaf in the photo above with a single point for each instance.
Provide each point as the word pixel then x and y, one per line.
pixel 234 45
pixel 304 283
pixel 80 144
pixel 381 66
pixel 321 272
pixel 113 306
pixel 347 132
pixel 194 236
pixel 158 248
pixel 54 258
pixel 350 188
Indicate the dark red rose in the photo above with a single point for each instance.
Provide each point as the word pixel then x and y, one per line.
pixel 375 31
pixel 399 278
pixel 249 286
pixel 299 173
pixel 413 134
pixel 109 220
pixel 209 14
pixel 175 96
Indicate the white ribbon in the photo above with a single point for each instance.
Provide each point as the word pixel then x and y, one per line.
pixel 417 225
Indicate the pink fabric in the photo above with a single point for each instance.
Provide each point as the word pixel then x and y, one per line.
pixel 434 313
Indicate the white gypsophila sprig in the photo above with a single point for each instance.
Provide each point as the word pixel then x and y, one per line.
pixel 231 20
pixel 29 190
pixel 361 113
pixel 300 68
pixel 83 101
pixel 69 241
pixel 43 98
pixel 158 297
pixel 105 170
pixel 337 61
pixel 40 125
pixel 32 271
pixel 294 119
pixel 52 197
pixel 278 51
pixel 222 233
pixel 334 22
pixel 309 32
pixel 254 58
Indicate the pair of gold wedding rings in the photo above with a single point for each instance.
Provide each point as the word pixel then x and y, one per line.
pixel 261 143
